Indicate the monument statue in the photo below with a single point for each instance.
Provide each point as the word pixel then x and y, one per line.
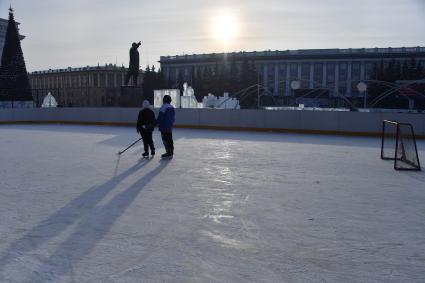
pixel 133 68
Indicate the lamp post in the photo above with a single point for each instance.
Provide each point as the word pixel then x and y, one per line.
pixel 258 90
pixel 294 86
pixel 362 88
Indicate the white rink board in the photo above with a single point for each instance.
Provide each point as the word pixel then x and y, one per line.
pixel 337 122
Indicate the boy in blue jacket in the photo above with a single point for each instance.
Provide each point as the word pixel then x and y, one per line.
pixel 165 122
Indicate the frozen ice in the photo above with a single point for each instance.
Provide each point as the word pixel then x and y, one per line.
pixel 229 207
pixel 49 101
pixel 160 93
pixel 220 102
pixel 188 99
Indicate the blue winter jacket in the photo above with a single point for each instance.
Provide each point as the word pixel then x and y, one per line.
pixel 166 118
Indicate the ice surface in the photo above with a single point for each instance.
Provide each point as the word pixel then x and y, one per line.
pixel 229 207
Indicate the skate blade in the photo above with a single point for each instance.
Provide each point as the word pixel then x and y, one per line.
pixel 167 157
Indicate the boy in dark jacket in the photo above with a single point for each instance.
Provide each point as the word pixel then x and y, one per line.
pixel 145 125
pixel 165 124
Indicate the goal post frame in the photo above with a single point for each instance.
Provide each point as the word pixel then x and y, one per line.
pixel 398 140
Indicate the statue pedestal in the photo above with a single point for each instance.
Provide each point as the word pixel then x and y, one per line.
pixel 131 96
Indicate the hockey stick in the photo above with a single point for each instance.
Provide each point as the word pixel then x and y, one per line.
pixel 121 152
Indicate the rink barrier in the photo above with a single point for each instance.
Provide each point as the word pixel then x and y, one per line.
pixel 50 122
pixel 216 128
pixel 280 121
pixel 274 130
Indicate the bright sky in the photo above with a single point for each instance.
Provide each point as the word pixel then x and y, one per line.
pixel 62 33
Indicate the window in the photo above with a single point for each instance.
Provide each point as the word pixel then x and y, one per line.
pixel 355 75
pixel 318 74
pixel 95 80
pixel 102 80
pixel 282 79
pixel 330 75
pixel 110 80
pixel 172 74
pixel 270 77
pixel 369 70
pixel 293 72
pixel 305 75
pixel 342 78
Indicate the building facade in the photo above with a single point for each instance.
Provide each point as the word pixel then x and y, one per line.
pixel 3 28
pixel 338 71
pixel 98 86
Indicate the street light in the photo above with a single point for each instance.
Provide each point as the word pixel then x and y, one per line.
pixel 295 85
pixel 362 88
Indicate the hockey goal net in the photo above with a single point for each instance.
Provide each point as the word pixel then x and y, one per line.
pixel 399 144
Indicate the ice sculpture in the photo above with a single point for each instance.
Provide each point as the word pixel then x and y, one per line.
pixel 221 102
pixel 188 100
pixel 159 94
pixel 49 101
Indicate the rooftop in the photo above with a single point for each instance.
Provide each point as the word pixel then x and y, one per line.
pixel 301 53
pixel 80 69
pixel 230 207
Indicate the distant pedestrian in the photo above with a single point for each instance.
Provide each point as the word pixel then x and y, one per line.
pixel 145 126
pixel 133 68
pixel 165 124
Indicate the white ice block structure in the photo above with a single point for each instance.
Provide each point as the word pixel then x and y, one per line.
pixel 221 102
pixel 160 93
pixel 188 100
pixel 49 101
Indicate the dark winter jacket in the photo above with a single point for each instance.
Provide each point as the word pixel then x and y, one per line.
pixel 166 118
pixel 146 120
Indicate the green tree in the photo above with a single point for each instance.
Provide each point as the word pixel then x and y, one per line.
pixel 160 82
pixel 180 82
pixel 148 84
pixel 14 82
pixel 197 84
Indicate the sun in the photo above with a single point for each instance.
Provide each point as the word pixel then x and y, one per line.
pixel 225 27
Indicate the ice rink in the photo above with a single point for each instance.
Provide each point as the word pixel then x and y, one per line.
pixel 229 207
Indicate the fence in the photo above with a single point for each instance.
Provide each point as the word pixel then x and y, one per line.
pixel 328 122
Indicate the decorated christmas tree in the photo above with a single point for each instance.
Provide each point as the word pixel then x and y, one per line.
pixel 14 82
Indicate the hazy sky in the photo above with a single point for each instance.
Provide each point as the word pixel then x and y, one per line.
pixel 62 33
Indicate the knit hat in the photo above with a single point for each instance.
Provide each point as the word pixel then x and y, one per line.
pixel 146 104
